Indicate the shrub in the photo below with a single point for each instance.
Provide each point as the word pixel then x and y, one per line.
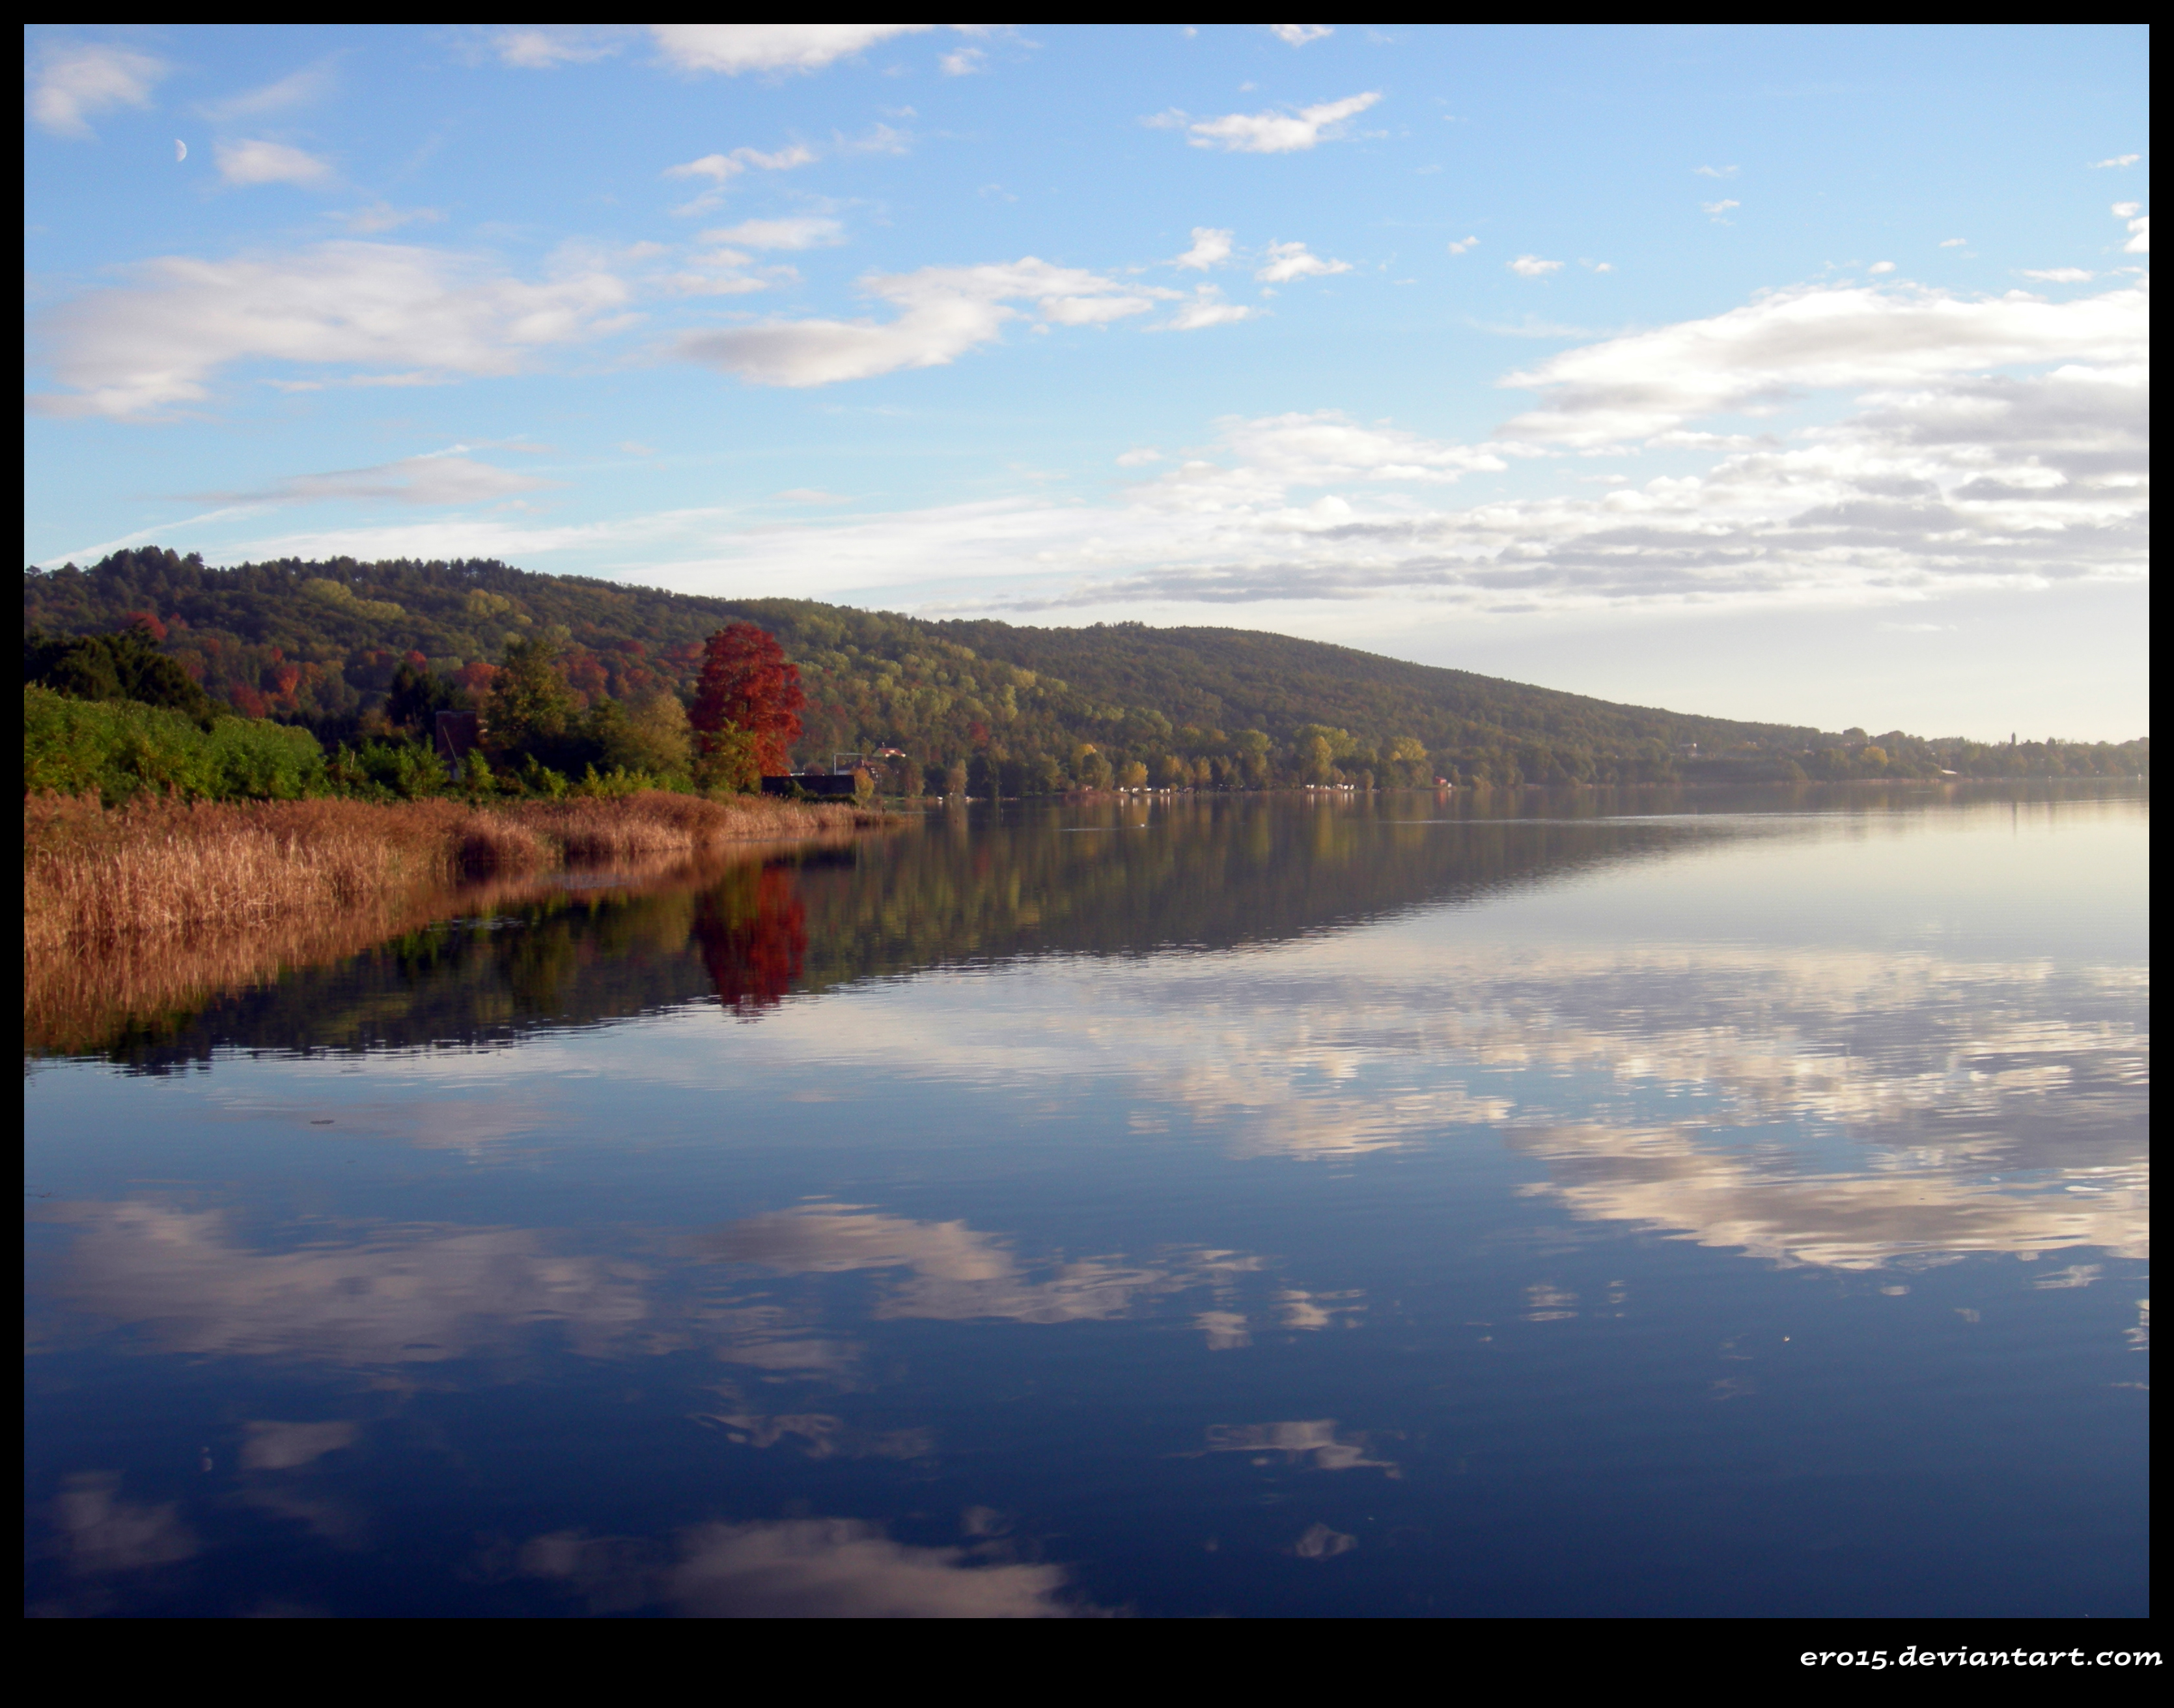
pixel 406 770
pixel 121 749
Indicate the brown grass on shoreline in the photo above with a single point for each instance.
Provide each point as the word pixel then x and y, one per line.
pixel 159 905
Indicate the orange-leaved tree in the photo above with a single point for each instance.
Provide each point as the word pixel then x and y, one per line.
pixel 746 705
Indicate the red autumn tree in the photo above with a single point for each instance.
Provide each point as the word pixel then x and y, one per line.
pixel 748 689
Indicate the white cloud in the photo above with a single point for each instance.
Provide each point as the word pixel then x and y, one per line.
pixel 723 168
pixel 802 231
pixel 1953 443
pixel 1533 327
pixel 1946 474
pixel 1814 338
pixel 300 89
pixel 269 163
pixel 1532 267
pixel 1207 308
pixel 2115 160
pixel 1463 244
pixel 1139 457
pixel 1714 171
pixel 73 82
pixel 398 314
pixel 1954 242
pixel 944 312
pixel 1297 34
pixel 1327 448
pixel 541 47
pixel 1210 248
pixel 1271 132
pixel 1288 261
pixel 1720 207
pixel 2059 275
pixel 383 216
pixel 734 48
pixel 2139 230
pixel 2127 210
pixel 877 139
pixel 1880 267
pixel 963 62
pixel 720 272
pixel 448 478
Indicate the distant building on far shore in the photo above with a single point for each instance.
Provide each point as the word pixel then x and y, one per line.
pixel 459 733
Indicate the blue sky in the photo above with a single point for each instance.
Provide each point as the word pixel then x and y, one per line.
pixel 1789 374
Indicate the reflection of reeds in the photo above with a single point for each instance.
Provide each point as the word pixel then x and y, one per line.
pixel 151 911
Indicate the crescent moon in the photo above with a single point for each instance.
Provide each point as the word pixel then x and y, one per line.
pixel 181 150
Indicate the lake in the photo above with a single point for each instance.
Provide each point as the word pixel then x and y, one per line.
pixel 1584 1203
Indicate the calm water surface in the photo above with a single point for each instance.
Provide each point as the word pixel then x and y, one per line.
pixel 1644 1205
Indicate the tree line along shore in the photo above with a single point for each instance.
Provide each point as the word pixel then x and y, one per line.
pixel 361 656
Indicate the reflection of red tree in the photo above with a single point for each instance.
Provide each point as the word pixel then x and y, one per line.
pixel 752 928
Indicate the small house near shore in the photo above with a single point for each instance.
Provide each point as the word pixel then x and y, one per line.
pixel 827 785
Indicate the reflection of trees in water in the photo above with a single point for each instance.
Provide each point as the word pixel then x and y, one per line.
pixel 1101 882
pixel 753 932
pixel 1204 874
pixel 1115 879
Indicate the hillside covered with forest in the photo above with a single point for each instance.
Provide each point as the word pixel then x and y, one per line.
pixel 988 705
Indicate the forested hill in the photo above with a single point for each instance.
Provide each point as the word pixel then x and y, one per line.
pixel 1021 709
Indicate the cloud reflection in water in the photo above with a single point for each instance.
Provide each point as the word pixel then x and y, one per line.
pixel 806 1568
pixel 1805 1104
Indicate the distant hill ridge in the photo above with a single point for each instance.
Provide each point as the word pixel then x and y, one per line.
pixel 1019 708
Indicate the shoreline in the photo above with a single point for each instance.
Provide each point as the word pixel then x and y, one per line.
pixel 131 912
pixel 900 804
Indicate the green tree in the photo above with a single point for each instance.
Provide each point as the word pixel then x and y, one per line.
pixel 530 704
pixel 1409 764
pixel 652 737
pixel 1316 760
pixel 124 666
pixel 417 696
pixel 727 762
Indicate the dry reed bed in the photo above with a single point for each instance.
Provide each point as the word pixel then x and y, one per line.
pixel 165 869
pixel 162 906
